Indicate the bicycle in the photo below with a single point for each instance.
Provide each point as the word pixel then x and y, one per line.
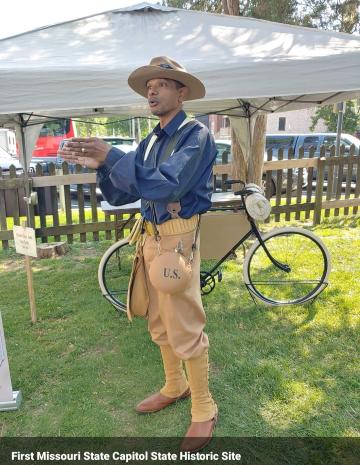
pixel 285 266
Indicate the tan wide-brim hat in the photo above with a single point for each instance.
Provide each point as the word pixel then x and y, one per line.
pixel 166 68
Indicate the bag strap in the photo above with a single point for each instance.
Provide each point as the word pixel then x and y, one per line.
pixel 193 247
pixel 149 146
pixel 170 148
pixel 165 156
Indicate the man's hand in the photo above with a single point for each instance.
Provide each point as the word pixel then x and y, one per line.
pixel 90 152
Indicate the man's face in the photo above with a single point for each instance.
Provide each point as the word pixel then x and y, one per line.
pixel 164 96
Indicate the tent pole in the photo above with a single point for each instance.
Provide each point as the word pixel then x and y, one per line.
pixel 28 196
pixel 133 127
pixel 340 108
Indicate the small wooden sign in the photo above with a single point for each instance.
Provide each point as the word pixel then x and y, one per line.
pixel 25 241
pixel 25 244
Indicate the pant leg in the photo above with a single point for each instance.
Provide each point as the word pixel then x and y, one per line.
pixel 155 324
pixel 177 319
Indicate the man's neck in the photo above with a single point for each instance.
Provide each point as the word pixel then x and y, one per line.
pixel 165 119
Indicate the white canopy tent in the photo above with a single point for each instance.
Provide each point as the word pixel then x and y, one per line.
pixel 248 66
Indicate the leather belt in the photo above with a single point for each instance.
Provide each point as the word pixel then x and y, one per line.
pixel 173 226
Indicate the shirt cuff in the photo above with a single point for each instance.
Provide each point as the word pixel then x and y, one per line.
pixel 113 157
pixel 102 172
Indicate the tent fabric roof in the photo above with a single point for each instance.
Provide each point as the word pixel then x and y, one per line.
pixel 81 67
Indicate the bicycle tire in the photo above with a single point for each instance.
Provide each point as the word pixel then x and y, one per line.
pixel 293 247
pixel 114 273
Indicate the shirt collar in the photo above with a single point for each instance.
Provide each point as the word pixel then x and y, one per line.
pixel 172 125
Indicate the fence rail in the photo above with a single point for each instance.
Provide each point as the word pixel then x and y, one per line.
pixel 332 187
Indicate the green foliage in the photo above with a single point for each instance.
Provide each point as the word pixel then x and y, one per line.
pixel 350 120
pixel 283 11
pixel 114 126
pixel 212 6
pixel 324 14
pixel 330 14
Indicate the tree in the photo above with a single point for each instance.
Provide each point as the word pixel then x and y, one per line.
pixel 337 15
pixel 350 122
pixel 330 14
pixel 211 6
pixel 114 126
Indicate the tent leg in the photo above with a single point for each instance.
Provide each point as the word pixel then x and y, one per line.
pixel 28 190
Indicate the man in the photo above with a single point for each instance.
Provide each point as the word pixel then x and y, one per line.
pixel 174 190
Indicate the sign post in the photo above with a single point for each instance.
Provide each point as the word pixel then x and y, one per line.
pixel 25 243
pixel 9 399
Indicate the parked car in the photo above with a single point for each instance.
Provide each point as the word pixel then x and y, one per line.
pixel 126 144
pixel 316 140
pixel 224 155
pixel 6 160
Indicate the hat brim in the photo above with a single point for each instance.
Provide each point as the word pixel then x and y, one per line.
pixel 138 79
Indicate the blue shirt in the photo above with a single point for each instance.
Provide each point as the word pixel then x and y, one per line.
pixel 186 176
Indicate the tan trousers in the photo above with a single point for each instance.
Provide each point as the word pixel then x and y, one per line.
pixel 177 320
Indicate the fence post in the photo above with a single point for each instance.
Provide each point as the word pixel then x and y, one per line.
pixel 319 190
pixel 61 189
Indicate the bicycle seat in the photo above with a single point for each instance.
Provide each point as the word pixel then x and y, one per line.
pixel 249 190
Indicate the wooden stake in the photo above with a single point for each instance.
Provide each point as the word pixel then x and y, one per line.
pixel 29 274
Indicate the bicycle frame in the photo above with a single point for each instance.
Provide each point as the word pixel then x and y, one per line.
pixel 208 278
pixel 253 231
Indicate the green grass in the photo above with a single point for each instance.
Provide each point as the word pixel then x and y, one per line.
pixel 284 371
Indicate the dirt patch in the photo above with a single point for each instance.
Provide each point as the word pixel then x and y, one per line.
pixel 12 265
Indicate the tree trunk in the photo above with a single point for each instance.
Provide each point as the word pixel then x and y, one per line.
pixel 239 161
pixel 225 7
pixel 233 7
pixel 256 158
pixel 247 166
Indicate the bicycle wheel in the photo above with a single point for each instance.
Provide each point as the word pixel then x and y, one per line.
pixel 305 255
pixel 114 273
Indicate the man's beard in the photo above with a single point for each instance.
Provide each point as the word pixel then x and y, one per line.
pixel 158 112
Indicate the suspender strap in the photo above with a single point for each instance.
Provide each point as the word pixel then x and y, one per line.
pixel 173 207
pixel 174 140
pixel 149 146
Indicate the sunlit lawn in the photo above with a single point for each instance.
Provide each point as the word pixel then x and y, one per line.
pixel 275 371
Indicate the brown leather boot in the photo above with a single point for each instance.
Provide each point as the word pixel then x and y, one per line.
pixel 198 435
pixel 158 401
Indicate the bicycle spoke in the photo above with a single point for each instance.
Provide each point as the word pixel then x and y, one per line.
pixel 305 258
pixel 116 274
